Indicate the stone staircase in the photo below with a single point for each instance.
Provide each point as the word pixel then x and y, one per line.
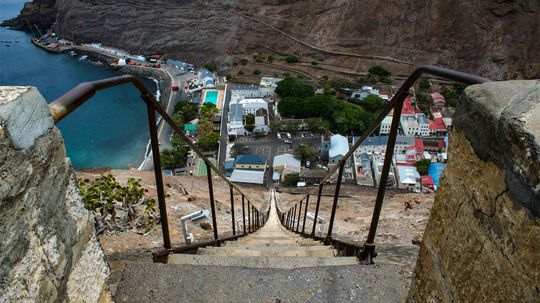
pixel 270 265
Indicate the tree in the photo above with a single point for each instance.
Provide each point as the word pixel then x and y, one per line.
pixel 176 141
pixel 372 103
pixel 259 134
pixel 291 179
pixel 314 124
pixel 249 127
pixel 243 61
pixel 209 110
pixel 378 70
pixel 172 158
pixel 275 125
pixel 292 58
pixel 424 84
pixel 340 82
pixel 250 119
pixel 422 166
pixel 257 72
pixel 209 141
pixel 205 127
pixel 239 149
pixel 305 153
pixel 211 66
pixel 178 119
pixel 290 87
pixel 188 110
pixel 270 58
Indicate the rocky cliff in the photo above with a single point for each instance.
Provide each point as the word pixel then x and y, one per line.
pixel 491 38
pixel 48 247
pixel 42 13
pixel 482 241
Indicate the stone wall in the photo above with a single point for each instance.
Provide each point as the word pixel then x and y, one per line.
pixel 48 248
pixel 482 242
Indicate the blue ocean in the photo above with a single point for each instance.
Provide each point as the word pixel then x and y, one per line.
pixel 110 130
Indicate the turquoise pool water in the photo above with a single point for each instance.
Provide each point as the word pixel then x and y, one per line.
pixel 211 96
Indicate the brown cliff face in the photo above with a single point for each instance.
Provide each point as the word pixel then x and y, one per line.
pixel 42 13
pixel 497 38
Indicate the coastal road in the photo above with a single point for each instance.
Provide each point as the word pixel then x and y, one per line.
pixel 164 130
pixel 223 134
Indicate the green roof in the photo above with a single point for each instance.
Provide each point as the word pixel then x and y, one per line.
pixel 190 127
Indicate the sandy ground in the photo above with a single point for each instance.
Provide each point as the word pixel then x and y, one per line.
pixel 402 221
pixel 403 217
pixel 184 195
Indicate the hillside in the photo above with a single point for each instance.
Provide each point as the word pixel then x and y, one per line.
pixel 491 38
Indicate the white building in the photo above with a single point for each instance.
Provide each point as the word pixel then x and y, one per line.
pixel 377 164
pixel 415 125
pixel 408 178
pixel 377 144
pixel 250 106
pixel 339 146
pixel 386 124
pixel 247 176
pixel 270 82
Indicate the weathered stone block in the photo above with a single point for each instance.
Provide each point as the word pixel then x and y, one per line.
pixel 482 242
pixel 46 235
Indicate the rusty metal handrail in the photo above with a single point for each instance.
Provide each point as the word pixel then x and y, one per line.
pixel 396 103
pixel 69 102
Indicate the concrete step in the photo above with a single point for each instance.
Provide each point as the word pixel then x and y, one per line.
pixel 262 247
pixel 326 252
pixel 154 282
pixel 261 262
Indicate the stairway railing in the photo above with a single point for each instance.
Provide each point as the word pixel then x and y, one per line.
pixel 290 218
pixel 69 102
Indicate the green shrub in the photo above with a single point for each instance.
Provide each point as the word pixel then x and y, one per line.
pixel 240 72
pixel 104 192
pixel 292 58
pixel 291 179
pixel 256 72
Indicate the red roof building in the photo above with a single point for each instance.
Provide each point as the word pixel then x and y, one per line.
pixel 437 127
pixel 427 183
pixel 407 107
pixel 438 99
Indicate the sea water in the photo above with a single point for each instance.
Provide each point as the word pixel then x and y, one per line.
pixel 109 130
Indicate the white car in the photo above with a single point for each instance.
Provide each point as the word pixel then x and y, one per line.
pixel 289 135
pixel 279 136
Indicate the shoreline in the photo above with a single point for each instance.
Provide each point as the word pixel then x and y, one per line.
pixel 160 77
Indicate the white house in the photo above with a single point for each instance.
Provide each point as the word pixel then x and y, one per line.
pixel 386 124
pixel 250 106
pixel 339 146
pixel 408 178
pixel 247 176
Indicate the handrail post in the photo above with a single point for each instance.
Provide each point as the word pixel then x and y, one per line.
pixel 369 247
pixel 232 211
pixel 244 213
pixel 299 214
pixel 317 210
pixel 336 197
pixel 157 173
pixel 305 215
pixel 212 202
pixel 249 216
pixel 287 220
pixel 293 218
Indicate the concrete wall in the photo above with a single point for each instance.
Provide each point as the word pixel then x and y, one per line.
pixel 482 242
pixel 48 248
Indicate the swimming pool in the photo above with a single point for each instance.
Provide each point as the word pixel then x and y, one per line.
pixel 211 96
pixel 435 171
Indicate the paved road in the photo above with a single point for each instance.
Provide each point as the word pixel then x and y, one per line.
pixel 164 129
pixel 223 135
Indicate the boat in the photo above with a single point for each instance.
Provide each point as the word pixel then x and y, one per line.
pixel 83 58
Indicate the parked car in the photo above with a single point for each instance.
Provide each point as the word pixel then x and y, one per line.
pixel 288 141
pixel 279 136
pixel 289 135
